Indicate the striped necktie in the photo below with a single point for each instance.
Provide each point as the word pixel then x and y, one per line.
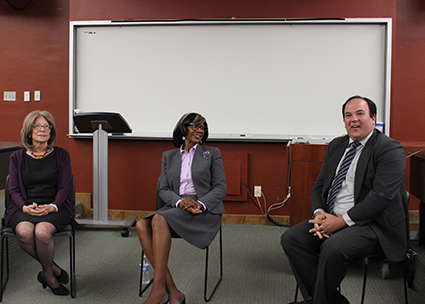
pixel 342 173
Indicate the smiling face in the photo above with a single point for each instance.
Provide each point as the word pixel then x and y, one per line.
pixel 358 122
pixel 195 133
pixel 43 135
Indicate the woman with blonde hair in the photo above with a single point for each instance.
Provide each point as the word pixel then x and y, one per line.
pixel 40 180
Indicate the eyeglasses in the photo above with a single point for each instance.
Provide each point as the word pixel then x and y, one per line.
pixel 196 127
pixel 39 127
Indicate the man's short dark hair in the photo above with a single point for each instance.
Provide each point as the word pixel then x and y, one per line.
pixel 370 103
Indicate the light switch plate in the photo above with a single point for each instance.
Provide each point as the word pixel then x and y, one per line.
pixel 27 96
pixel 9 96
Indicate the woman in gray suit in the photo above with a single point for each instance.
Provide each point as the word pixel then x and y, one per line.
pixel 190 196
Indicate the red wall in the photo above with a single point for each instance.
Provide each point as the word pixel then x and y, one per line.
pixel 34 56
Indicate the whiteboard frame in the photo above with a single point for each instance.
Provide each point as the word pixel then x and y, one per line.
pixel 74 25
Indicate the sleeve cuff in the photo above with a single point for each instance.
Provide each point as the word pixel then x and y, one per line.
pixel 204 208
pixel 348 220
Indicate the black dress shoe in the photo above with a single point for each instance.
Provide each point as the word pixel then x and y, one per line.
pixel 63 277
pixel 60 291
pixel 309 301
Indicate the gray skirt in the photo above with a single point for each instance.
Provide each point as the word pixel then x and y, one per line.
pixel 198 230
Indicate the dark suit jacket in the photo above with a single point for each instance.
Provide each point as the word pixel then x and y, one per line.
pixel 378 191
pixel 207 175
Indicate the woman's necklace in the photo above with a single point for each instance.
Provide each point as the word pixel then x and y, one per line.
pixel 39 155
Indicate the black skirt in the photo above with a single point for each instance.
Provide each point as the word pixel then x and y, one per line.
pixel 58 219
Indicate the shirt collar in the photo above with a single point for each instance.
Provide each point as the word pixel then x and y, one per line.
pixel 364 140
pixel 193 149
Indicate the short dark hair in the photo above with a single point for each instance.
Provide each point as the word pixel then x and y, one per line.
pixel 180 129
pixel 370 103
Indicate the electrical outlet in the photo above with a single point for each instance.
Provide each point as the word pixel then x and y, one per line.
pixel 257 191
pixel 27 96
pixel 37 95
pixel 9 96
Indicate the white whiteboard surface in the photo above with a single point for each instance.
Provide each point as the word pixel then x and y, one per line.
pixel 261 79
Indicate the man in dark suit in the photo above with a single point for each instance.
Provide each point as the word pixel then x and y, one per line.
pixel 357 206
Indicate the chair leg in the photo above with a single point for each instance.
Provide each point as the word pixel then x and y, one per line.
pixel 366 261
pixel 296 293
pixel 72 263
pixel 142 290
pixel 3 248
pixel 405 281
pixel 208 298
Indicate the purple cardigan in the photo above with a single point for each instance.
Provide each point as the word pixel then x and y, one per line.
pixel 17 189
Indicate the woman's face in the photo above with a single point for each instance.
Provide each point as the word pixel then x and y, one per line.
pixel 43 135
pixel 195 134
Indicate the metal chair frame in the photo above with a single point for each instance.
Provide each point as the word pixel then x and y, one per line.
pixel 207 297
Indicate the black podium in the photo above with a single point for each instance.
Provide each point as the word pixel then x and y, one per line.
pixel 100 124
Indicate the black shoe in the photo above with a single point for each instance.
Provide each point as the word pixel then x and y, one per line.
pixel 339 299
pixel 60 291
pixel 63 277
pixel 309 301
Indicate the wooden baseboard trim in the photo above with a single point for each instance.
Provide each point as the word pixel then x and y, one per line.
pixel 243 219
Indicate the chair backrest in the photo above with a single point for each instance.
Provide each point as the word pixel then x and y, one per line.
pixel 6 194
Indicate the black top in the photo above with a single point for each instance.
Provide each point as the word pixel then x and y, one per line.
pixel 40 177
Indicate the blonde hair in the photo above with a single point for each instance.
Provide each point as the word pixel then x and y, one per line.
pixel 26 130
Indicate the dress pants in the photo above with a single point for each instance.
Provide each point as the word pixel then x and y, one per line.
pixel 320 265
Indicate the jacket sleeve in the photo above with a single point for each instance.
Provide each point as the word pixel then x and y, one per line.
pixel 168 188
pixel 321 185
pixel 65 177
pixel 18 199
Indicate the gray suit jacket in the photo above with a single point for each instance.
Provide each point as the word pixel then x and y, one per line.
pixel 379 193
pixel 207 175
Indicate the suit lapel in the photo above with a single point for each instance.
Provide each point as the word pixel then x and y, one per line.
pixel 334 161
pixel 177 160
pixel 195 163
pixel 362 165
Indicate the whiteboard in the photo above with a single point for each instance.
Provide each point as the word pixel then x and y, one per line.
pixel 250 79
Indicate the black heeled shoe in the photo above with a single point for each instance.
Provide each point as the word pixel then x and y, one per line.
pixel 63 277
pixel 60 291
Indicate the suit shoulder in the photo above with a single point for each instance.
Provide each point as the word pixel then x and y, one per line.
pixel 384 140
pixel 337 142
pixel 18 153
pixel 171 152
pixel 61 150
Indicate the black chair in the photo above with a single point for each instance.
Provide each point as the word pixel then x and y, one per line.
pixel 406 265
pixel 408 271
pixel 9 233
pixel 207 298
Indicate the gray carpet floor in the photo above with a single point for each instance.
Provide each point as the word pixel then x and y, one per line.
pixel 255 270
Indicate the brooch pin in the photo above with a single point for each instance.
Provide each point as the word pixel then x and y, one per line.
pixel 205 154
